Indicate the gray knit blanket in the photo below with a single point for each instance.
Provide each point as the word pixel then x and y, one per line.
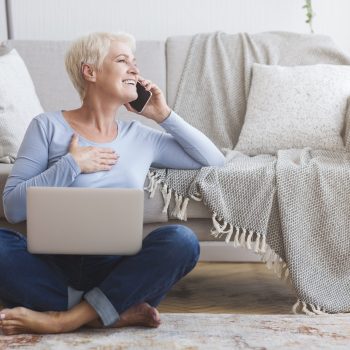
pixel 294 208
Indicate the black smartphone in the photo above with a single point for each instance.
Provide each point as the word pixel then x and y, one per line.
pixel 142 98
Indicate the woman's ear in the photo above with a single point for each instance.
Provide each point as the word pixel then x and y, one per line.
pixel 88 72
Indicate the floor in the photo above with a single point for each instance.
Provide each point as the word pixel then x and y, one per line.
pixel 242 288
pixel 221 293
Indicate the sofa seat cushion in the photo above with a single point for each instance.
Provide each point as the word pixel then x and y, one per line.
pixel 195 210
pixel 201 227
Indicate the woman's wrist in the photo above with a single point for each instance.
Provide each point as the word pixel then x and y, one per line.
pixel 163 114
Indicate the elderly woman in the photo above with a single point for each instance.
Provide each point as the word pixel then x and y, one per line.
pixel 88 147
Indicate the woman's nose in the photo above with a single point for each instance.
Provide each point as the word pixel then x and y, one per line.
pixel 134 69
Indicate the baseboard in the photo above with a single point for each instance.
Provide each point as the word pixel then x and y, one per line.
pixel 221 251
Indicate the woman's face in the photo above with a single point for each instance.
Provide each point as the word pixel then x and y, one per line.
pixel 118 75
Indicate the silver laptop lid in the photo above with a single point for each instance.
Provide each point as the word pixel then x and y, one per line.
pixel 70 220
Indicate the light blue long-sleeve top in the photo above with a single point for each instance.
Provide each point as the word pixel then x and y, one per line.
pixel 43 158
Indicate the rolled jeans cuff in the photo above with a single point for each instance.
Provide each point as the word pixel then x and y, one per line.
pixel 74 297
pixel 104 308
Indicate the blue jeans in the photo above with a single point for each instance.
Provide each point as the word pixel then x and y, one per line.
pixel 110 284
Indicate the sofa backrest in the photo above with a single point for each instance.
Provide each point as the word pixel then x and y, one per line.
pixel 45 62
pixel 176 53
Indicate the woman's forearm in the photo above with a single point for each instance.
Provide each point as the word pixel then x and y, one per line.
pixel 194 142
pixel 61 174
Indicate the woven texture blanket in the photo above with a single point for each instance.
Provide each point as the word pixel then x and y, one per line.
pixel 293 208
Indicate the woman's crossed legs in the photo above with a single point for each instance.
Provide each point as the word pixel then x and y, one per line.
pixel 56 294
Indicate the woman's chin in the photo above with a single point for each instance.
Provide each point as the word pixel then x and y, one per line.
pixel 131 98
pixel 126 98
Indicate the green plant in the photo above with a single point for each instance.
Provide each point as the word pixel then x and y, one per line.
pixel 310 14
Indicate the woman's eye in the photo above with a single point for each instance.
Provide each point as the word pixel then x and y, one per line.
pixel 122 61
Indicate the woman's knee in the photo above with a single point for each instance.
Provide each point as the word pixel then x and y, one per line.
pixel 180 239
pixel 10 241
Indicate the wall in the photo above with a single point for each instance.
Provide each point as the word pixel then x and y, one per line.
pixel 158 19
pixel 3 22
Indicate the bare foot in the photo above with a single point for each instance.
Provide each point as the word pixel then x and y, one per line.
pixel 22 320
pixel 138 315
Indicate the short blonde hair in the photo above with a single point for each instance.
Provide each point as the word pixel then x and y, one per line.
pixel 91 49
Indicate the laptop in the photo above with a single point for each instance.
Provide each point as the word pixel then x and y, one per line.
pixel 72 220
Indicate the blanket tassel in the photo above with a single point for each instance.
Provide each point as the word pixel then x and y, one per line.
pixel 218 230
pixel 236 240
pixel 166 193
pixel 180 210
pixel 198 197
pixel 153 184
pixel 307 308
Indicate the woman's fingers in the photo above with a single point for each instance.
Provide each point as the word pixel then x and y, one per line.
pixel 92 159
pixel 100 159
pixel 106 153
pixel 100 166
pixel 106 150
pixel 108 161
pixel 74 142
pixel 147 84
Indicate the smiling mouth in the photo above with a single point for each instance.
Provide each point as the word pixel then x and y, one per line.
pixel 129 82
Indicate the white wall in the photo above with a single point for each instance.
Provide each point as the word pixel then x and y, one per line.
pixel 332 18
pixel 3 23
pixel 158 19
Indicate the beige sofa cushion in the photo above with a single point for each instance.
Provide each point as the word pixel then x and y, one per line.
pixel 346 131
pixel 195 210
pixel 177 48
pixel 18 104
pixel 201 227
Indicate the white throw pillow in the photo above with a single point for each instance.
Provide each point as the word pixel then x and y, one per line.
pixel 347 127
pixel 295 107
pixel 18 104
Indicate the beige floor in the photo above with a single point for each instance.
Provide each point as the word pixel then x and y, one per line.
pixel 230 288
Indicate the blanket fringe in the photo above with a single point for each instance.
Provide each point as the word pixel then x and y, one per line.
pixel 197 197
pixel 180 210
pixel 307 308
pixel 241 238
pixel 219 229
pixel 181 203
pixel 166 192
pixel 153 183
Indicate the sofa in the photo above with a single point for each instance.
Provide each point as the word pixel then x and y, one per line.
pixel 161 62
pixel 288 104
